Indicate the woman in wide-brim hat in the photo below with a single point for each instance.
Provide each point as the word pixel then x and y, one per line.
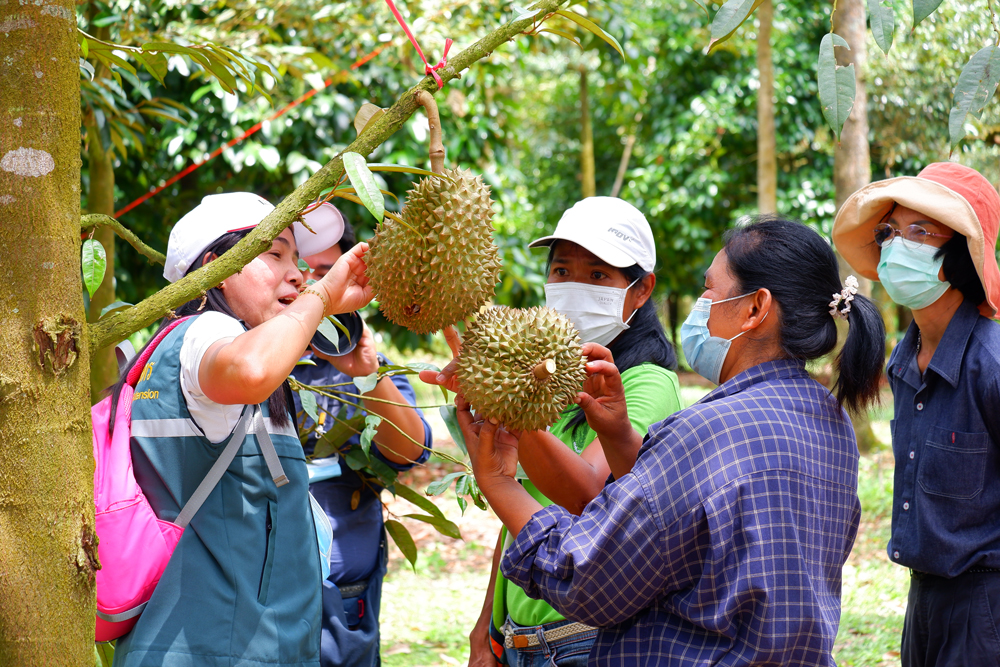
pixel 931 241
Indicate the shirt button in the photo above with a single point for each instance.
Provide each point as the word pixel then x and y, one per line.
pixel 906 506
pixel 911 453
pixel 895 554
pixel 920 406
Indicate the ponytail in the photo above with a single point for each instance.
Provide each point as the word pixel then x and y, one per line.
pixel 859 363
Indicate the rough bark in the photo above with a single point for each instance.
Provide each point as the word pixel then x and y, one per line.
pixel 119 325
pixel 48 550
pixel 101 199
pixel 852 163
pixel 587 178
pixel 767 161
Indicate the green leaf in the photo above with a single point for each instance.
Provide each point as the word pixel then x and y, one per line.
pixel 450 416
pixel 303 267
pixel 327 329
pixel 440 486
pixel 386 475
pixel 522 13
pixel 364 184
pixel 836 84
pixel 371 426
pixel 95 263
pixel 104 654
pixel 443 525
pixel 106 19
pixel 305 362
pixel 922 9
pixel 154 63
pixel 563 34
pixel 340 432
pixel 403 169
pixel 117 305
pixel 589 25
pixel 356 459
pixel 411 495
pixel 883 23
pixel 976 85
pixel 730 17
pixel 84 47
pixel 88 68
pixel 366 383
pixel 401 536
pixel 309 404
pixel 462 503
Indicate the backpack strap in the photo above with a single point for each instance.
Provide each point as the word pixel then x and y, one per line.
pixel 267 450
pixel 218 469
pixel 147 352
pixel 124 351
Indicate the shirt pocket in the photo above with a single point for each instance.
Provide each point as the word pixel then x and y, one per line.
pixel 953 464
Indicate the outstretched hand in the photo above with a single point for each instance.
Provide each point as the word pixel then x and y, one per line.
pixel 493 458
pixel 446 377
pixel 603 397
pixel 346 284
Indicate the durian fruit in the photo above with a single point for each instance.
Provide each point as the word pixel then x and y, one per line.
pixel 521 366
pixel 441 265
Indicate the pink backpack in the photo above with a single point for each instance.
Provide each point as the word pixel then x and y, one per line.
pixel 135 545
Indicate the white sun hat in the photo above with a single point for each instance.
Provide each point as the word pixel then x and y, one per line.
pixel 609 227
pixel 217 215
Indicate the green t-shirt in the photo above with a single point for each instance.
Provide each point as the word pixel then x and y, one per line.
pixel 652 394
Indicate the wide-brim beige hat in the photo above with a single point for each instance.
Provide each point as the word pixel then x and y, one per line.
pixel 955 195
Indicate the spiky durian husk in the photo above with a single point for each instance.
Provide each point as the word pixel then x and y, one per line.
pixel 447 265
pixel 496 368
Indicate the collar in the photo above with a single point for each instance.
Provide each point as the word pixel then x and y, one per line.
pixel 779 369
pixel 947 359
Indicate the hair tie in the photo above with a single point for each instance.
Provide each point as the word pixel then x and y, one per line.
pixel 841 304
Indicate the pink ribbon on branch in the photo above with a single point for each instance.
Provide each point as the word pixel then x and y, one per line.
pixel 429 69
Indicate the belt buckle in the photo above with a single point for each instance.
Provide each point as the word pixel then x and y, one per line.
pixel 520 641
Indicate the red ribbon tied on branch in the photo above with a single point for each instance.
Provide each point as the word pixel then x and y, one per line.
pixel 429 69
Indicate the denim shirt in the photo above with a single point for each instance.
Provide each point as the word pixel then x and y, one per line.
pixel 946 491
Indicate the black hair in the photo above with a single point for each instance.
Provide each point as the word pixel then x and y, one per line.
pixel 348 239
pixel 960 270
pixel 214 299
pixel 644 342
pixel 800 270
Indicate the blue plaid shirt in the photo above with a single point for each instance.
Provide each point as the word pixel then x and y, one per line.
pixel 725 543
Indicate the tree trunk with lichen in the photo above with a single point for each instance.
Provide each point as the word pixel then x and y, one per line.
pixel 852 161
pixel 47 543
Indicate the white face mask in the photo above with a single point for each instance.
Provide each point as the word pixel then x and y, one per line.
pixel 595 311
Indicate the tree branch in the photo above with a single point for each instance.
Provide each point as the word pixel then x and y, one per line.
pixel 120 325
pixel 88 222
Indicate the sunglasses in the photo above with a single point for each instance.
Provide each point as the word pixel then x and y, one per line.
pixel 912 235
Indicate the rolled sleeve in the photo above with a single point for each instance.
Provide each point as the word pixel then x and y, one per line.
pixel 600 568
pixel 406 389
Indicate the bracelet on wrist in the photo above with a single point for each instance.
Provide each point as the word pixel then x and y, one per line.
pixel 322 297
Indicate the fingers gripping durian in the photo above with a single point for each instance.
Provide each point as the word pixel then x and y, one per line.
pixel 442 265
pixel 521 366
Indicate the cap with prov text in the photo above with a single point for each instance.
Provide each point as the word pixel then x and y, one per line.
pixel 611 228
pixel 220 214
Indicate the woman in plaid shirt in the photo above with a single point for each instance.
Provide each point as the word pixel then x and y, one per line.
pixel 724 544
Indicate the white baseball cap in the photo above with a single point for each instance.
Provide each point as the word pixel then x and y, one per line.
pixel 609 227
pixel 217 215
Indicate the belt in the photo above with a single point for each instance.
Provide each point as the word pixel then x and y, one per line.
pixel 512 640
pixel 917 574
pixel 353 590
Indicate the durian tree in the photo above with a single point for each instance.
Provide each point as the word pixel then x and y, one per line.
pixel 47 544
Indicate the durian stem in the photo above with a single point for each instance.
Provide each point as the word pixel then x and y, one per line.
pixel 436 153
pixel 544 370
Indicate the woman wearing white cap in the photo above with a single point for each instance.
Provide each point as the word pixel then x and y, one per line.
pixel 931 241
pixel 600 275
pixel 243 584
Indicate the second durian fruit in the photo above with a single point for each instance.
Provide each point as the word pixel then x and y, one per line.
pixel 521 366
pixel 441 265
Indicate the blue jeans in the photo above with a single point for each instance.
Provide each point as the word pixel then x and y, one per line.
pixel 568 652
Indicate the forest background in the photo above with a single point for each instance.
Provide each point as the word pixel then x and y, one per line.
pixel 664 125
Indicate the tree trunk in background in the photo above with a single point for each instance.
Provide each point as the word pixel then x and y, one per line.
pixel 586 141
pixel 101 199
pixel 767 161
pixel 852 163
pixel 48 549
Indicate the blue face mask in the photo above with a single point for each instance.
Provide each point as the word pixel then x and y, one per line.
pixel 910 274
pixel 704 352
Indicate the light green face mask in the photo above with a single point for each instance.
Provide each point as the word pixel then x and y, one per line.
pixel 910 274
